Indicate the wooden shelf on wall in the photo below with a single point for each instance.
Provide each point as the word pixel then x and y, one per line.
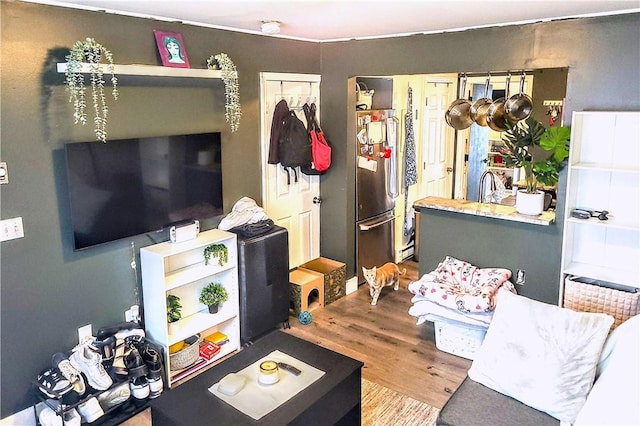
pixel 150 71
pixel 153 75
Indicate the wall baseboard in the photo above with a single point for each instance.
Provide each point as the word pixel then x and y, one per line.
pixel 352 285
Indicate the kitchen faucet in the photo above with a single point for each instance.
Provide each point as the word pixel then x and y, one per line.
pixel 494 187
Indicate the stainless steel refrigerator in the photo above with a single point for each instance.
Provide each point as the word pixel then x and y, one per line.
pixel 377 187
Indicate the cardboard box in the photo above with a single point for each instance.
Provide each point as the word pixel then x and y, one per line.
pixel 306 290
pixel 335 277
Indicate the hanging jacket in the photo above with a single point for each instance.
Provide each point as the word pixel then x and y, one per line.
pixel 279 114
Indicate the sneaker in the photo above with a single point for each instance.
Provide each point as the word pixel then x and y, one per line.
pixel 139 388
pixel 90 410
pixel 114 396
pixel 153 360
pixel 53 384
pixel 49 417
pixel 61 362
pixel 88 360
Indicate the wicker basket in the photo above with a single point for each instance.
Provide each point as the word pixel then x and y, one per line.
pixel 185 357
pixel 587 295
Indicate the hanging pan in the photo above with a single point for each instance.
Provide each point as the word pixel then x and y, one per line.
pixel 480 108
pixel 457 116
pixel 518 107
pixel 496 116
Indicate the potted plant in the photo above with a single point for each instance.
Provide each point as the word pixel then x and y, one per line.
pixel 219 251
pixel 541 153
pixel 212 295
pixel 232 110
pixel 90 52
pixel 174 308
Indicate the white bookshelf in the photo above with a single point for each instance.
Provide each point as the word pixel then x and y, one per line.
pixel 179 269
pixel 603 174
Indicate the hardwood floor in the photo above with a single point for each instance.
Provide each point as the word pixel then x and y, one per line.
pixel 397 353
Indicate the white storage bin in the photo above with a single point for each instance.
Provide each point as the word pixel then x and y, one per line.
pixel 459 338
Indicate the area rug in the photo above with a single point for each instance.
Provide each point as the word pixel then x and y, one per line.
pixel 382 407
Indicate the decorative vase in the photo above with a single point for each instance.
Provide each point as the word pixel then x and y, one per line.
pixel 530 204
pixel 213 309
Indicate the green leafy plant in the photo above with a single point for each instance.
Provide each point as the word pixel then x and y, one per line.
pixel 219 251
pixel 92 53
pixel 174 308
pixel 213 294
pixel 232 108
pixel 540 152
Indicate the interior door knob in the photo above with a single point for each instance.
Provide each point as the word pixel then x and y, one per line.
pixel 317 200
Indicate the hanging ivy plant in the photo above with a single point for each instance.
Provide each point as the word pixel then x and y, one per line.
pixel 91 52
pixel 232 109
pixel 216 250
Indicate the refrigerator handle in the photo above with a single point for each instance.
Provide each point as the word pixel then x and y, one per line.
pixel 392 141
pixel 375 225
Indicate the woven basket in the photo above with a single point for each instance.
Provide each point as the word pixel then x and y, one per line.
pixel 585 295
pixel 185 357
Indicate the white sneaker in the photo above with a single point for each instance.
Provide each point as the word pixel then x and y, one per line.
pixel 61 361
pixel 90 410
pixel 140 388
pixel 48 417
pixel 88 360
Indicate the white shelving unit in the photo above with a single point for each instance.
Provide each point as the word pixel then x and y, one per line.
pixel 604 174
pixel 179 269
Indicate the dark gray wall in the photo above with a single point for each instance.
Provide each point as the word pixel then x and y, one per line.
pixel 603 57
pixel 47 290
pixel 488 242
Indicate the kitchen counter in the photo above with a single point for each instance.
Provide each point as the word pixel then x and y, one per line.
pixel 496 211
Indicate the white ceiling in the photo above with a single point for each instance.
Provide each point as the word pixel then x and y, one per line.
pixel 330 20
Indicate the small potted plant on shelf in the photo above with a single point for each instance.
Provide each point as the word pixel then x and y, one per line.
pixel 174 308
pixel 232 110
pixel 541 153
pixel 90 52
pixel 219 251
pixel 212 295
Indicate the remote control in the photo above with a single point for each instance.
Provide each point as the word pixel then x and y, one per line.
pixel 290 368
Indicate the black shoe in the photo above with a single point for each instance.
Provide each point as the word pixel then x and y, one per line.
pixel 152 359
pixel 136 366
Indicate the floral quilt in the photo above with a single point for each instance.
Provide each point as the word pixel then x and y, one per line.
pixel 460 285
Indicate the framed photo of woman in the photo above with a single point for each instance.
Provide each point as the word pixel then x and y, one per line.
pixel 171 49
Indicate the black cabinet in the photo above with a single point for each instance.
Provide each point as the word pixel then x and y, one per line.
pixel 263 281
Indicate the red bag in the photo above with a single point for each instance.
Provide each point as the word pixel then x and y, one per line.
pixel 320 149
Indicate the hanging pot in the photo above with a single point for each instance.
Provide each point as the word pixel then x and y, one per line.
pixel 496 116
pixel 457 116
pixel 518 107
pixel 480 108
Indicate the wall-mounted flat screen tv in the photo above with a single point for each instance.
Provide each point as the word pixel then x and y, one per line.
pixel 129 187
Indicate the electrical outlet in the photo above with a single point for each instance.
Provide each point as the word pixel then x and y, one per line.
pixel 84 331
pixel 520 277
pixel 10 229
pixel 4 173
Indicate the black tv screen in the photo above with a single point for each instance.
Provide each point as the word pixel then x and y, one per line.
pixel 129 187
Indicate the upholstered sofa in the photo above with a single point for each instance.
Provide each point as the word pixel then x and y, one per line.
pixel 544 365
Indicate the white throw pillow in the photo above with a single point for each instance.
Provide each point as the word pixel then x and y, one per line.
pixel 614 398
pixel 540 354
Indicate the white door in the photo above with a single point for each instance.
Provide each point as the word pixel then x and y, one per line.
pixel 437 139
pixel 290 205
